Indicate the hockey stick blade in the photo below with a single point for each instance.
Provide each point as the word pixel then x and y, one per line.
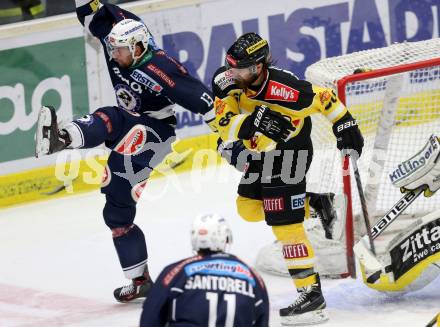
pixel 58 189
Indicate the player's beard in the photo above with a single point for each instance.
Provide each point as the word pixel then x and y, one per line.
pixel 245 83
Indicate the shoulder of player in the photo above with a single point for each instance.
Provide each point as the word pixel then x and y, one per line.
pixel 163 60
pixel 287 78
pixel 172 271
pixel 222 82
pixel 162 68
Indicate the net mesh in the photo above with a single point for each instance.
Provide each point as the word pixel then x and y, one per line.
pixel 327 72
pixel 416 115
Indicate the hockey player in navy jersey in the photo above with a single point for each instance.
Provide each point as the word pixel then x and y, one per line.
pixel 212 288
pixel 139 131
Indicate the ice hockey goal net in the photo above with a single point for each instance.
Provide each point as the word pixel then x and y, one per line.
pixel 394 93
pixel 396 100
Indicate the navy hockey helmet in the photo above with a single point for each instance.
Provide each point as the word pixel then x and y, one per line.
pixel 249 49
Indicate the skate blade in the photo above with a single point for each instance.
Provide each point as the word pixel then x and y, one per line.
pixel 42 143
pixel 305 319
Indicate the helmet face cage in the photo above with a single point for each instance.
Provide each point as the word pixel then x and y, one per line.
pixel 249 49
pixel 211 232
pixel 128 33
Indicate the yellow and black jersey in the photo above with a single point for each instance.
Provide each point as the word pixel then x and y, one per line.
pixel 281 91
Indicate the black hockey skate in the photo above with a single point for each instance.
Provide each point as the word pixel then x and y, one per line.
pixel 323 206
pixel 48 138
pixel 308 309
pixel 139 288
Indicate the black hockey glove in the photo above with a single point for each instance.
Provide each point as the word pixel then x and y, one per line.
pixel 270 123
pixel 232 152
pixel 348 135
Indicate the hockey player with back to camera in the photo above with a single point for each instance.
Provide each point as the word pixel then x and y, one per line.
pixel 139 131
pixel 212 288
pixel 268 109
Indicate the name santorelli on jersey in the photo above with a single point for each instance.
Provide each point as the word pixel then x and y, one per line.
pixel 281 91
pixel 219 283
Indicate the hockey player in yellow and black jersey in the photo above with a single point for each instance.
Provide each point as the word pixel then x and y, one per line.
pixel 267 110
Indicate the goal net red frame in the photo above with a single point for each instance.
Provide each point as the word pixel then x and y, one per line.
pixel 341 86
pixel 394 94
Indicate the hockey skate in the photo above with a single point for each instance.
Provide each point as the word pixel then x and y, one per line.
pixel 48 138
pixel 138 288
pixel 308 309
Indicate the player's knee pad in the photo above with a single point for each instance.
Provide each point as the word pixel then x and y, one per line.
pixel 250 209
pixel 284 205
pixel 297 252
pixel 117 214
pixel 121 184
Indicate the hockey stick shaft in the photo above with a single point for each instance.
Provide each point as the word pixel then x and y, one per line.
pixel 366 216
pixel 433 321
pixel 398 208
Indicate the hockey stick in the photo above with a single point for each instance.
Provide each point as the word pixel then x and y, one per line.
pixel 433 321
pixel 59 188
pixel 366 257
pixel 357 177
pixel 398 208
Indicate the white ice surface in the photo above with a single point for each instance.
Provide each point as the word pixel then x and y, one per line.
pixel 58 266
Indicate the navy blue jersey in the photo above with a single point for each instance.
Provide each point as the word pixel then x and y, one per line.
pixel 211 290
pixel 157 82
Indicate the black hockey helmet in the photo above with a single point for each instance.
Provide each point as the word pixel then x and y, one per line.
pixel 249 49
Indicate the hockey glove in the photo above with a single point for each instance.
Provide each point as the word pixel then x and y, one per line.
pixel 348 135
pixel 268 122
pixel 232 152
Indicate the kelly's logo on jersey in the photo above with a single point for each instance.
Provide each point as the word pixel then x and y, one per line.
pixel 280 92
pixel 273 204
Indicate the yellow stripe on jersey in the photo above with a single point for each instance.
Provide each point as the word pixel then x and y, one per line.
pixel 228 118
pixel 326 102
pixel 94 5
pixel 237 102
